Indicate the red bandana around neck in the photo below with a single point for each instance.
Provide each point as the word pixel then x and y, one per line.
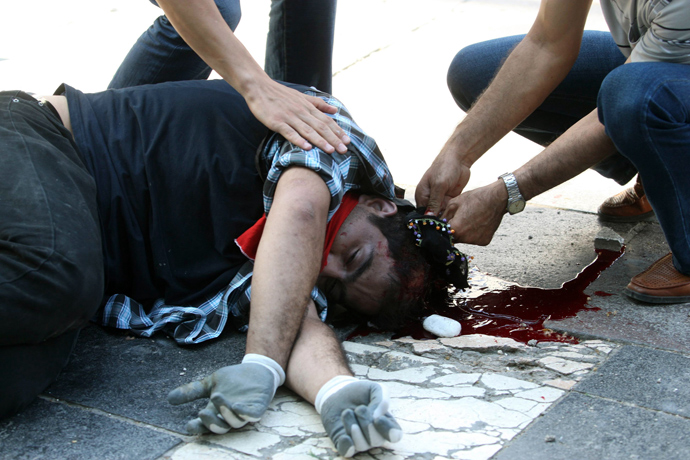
pixel 248 242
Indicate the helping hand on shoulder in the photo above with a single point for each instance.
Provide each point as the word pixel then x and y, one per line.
pixel 299 118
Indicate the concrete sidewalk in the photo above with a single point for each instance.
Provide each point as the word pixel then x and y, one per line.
pixel 618 391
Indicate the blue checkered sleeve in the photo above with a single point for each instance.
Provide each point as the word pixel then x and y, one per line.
pixel 190 324
pixel 361 168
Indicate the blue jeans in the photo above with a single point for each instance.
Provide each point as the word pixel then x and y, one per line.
pixel 474 67
pixel 645 108
pixel 299 47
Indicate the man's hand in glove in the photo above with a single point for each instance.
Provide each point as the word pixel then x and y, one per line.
pixel 238 394
pixel 355 415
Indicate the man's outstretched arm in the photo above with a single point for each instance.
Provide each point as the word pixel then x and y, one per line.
pixel 298 117
pixel 354 412
pixel 287 263
pixel 285 271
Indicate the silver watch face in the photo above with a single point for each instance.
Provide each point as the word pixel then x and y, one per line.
pixel 516 206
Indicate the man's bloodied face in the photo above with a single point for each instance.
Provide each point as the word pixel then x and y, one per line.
pixel 359 268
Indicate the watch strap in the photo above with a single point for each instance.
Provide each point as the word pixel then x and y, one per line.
pixel 514 195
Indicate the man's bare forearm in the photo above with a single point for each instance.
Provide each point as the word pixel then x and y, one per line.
pixel 287 263
pixel 316 358
pixel 504 104
pixel 530 73
pixel 301 119
pixel 203 28
pixel 584 145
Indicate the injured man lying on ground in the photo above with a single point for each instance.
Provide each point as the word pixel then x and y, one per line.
pixel 169 208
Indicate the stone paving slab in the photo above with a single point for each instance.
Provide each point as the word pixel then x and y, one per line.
pixel 540 247
pixel 623 321
pixel 451 401
pixel 458 399
pixel 546 247
pixel 621 318
pixel 645 377
pixel 131 377
pixel 51 430
pixel 589 428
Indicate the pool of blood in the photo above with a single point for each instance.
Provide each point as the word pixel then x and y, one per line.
pixel 518 312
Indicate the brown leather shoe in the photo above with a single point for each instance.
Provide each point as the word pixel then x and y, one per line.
pixel 661 283
pixel 630 205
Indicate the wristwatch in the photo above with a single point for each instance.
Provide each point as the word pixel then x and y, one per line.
pixel 516 202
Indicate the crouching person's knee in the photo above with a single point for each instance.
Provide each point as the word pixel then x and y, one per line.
pixel 231 12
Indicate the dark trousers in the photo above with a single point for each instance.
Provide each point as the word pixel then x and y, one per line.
pixel 299 47
pixel 51 263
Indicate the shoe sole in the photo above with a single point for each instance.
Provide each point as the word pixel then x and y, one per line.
pixel 646 217
pixel 658 300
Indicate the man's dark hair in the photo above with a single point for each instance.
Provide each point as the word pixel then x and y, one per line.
pixel 415 283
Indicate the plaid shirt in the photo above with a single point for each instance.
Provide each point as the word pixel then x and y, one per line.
pixel 362 168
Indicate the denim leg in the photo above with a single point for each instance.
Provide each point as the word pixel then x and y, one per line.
pixel 645 108
pixel 51 265
pixel 299 46
pixel 160 54
pixel 475 66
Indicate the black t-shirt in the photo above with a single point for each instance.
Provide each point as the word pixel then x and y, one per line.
pixel 177 183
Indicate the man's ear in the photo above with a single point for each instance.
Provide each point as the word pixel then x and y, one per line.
pixel 379 206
